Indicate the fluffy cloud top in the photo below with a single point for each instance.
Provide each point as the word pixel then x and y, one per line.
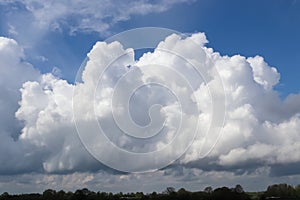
pixel 260 129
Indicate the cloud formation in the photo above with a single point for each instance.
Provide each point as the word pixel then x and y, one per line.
pixel 84 16
pixel 14 72
pixel 260 134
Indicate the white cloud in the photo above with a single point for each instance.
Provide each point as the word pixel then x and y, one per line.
pixel 46 109
pixel 262 73
pixel 13 72
pixel 257 129
pixel 93 15
pixel 260 130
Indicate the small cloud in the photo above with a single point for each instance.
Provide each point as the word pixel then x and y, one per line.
pixel 41 58
pixel 12 30
pixel 56 72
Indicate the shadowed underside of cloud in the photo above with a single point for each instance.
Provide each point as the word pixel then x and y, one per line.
pixel 260 134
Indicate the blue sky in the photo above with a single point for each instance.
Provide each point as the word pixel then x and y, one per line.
pixel 267 28
pixel 260 135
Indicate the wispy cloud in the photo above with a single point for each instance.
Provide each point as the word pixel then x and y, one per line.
pixel 83 16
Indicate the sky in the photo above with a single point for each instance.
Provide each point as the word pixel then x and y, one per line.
pixel 215 102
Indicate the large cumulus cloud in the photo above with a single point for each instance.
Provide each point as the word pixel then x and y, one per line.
pixel 261 130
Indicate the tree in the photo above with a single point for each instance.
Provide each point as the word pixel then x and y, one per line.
pixel 208 190
pixel 81 194
pixel 225 193
pixel 61 194
pixel 4 196
pixel 170 190
pixel 139 195
pixel 297 189
pixel 238 189
pixel 182 194
pixel 153 195
pixel 280 190
pixel 49 194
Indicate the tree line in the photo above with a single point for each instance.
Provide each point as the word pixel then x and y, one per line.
pixel 273 192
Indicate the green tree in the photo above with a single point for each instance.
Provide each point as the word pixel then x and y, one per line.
pixel 208 190
pixel 4 196
pixel 49 194
pixel 170 190
pixel 82 194
pixel 238 189
pixel 61 194
pixel 182 194
pixel 225 193
pixel 280 190
pixel 297 189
